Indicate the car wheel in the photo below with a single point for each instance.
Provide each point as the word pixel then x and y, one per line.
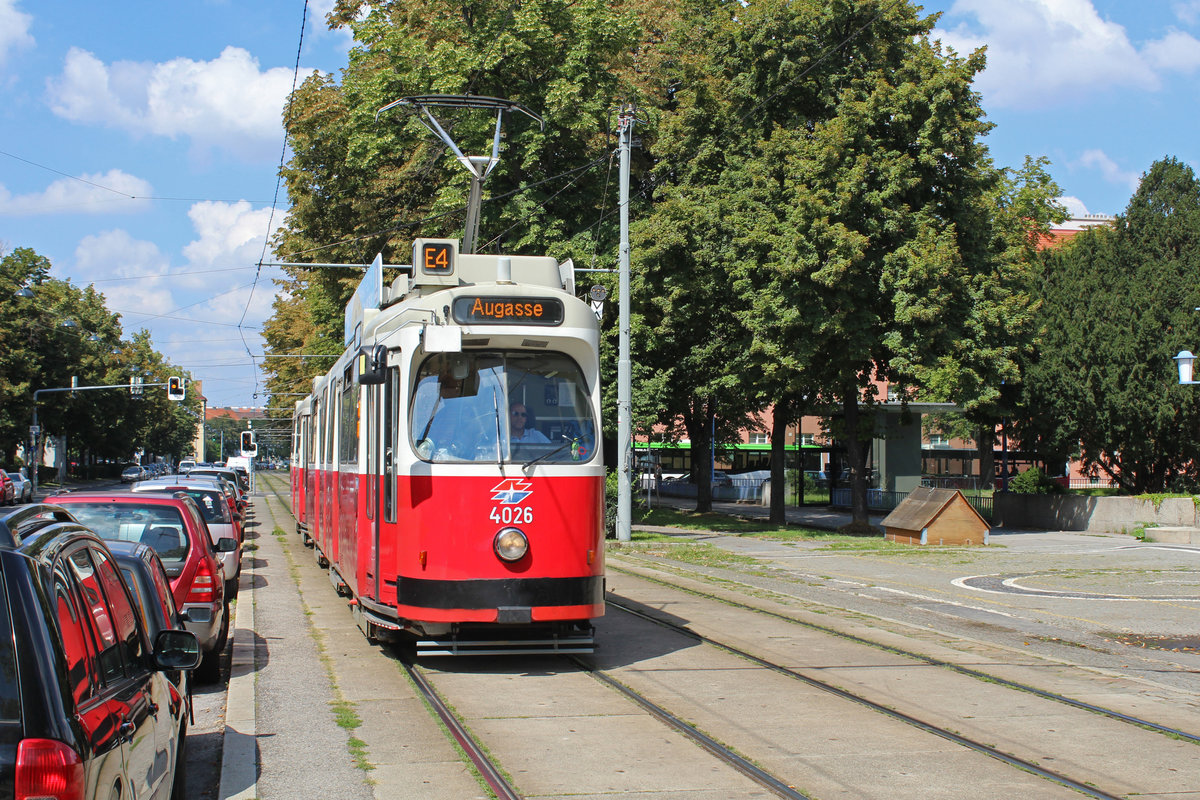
pixel 209 670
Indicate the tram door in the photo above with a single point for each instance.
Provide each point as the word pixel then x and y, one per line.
pixel 387 449
pixel 371 434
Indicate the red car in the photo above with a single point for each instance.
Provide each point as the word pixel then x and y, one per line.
pixel 8 490
pixel 173 525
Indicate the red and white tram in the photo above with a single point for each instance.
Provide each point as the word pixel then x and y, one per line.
pixel 447 467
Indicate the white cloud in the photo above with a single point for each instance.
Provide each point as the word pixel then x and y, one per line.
pixel 1188 11
pixel 116 254
pixel 1177 52
pixel 1109 169
pixel 112 192
pixel 1074 206
pixel 1047 51
pixel 14 29
pixel 226 103
pixel 228 232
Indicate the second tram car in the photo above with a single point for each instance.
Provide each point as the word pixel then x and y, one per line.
pixel 447 468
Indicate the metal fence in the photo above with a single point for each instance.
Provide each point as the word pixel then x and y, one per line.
pixel 881 501
pixel 749 489
pixel 732 490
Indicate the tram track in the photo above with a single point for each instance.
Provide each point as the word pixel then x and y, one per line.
pixel 1083 787
pixel 1109 713
pixel 475 752
pixel 1033 739
pixel 492 773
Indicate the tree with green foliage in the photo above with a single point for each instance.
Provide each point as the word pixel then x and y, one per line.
pixel 1116 304
pixel 986 380
pixel 846 188
pixel 360 185
pixel 66 334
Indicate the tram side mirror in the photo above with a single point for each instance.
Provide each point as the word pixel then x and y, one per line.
pixel 371 364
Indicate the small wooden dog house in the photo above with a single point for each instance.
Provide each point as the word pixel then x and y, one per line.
pixel 935 516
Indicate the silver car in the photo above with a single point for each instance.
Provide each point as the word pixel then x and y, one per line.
pixel 22 486
pixel 215 509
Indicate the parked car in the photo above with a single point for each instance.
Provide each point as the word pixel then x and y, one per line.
pixel 8 490
pixel 719 478
pixel 174 527
pixel 214 506
pixel 147 580
pixel 22 486
pixel 185 466
pixel 86 709
pixel 133 473
pixel 230 477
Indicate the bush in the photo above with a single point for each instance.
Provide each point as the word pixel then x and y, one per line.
pixel 612 484
pixel 1034 481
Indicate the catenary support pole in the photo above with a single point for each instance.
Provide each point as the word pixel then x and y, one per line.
pixel 624 372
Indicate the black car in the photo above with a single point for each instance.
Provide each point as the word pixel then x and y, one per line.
pixel 147 580
pixel 86 710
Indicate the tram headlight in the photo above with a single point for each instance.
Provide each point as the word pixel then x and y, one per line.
pixel 511 544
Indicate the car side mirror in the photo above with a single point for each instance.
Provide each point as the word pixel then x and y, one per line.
pixel 226 545
pixel 176 650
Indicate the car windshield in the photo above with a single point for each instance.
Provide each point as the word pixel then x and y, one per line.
pixel 493 406
pixel 161 527
pixel 212 505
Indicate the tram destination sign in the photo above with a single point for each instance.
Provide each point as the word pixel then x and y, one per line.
pixel 474 310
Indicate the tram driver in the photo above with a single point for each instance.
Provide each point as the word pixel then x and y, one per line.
pixel 518 427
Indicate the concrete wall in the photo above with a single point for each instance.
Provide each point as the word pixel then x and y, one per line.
pixel 1099 514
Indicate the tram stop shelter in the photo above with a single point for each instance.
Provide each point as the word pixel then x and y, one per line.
pixel 935 516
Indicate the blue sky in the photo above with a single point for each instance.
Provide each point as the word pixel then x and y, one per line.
pixel 139 141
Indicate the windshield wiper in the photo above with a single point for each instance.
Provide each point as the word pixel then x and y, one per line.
pixel 499 444
pixel 555 451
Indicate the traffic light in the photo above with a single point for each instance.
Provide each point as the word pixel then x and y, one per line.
pixel 175 390
pixel 248 446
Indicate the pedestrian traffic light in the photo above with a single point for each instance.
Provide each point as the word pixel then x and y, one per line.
pixel 175 390
pixel 249 448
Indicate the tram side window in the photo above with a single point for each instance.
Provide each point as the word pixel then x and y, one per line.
pixel 314 435
pixel 327 456
pixel 493 406
pixel 348 435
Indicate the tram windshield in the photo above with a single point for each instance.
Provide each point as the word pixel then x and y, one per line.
pixel 502 406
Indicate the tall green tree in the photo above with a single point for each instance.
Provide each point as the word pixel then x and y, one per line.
pixel 1116 305
pixel 856 184
pixel 690 332
pixel 986 379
